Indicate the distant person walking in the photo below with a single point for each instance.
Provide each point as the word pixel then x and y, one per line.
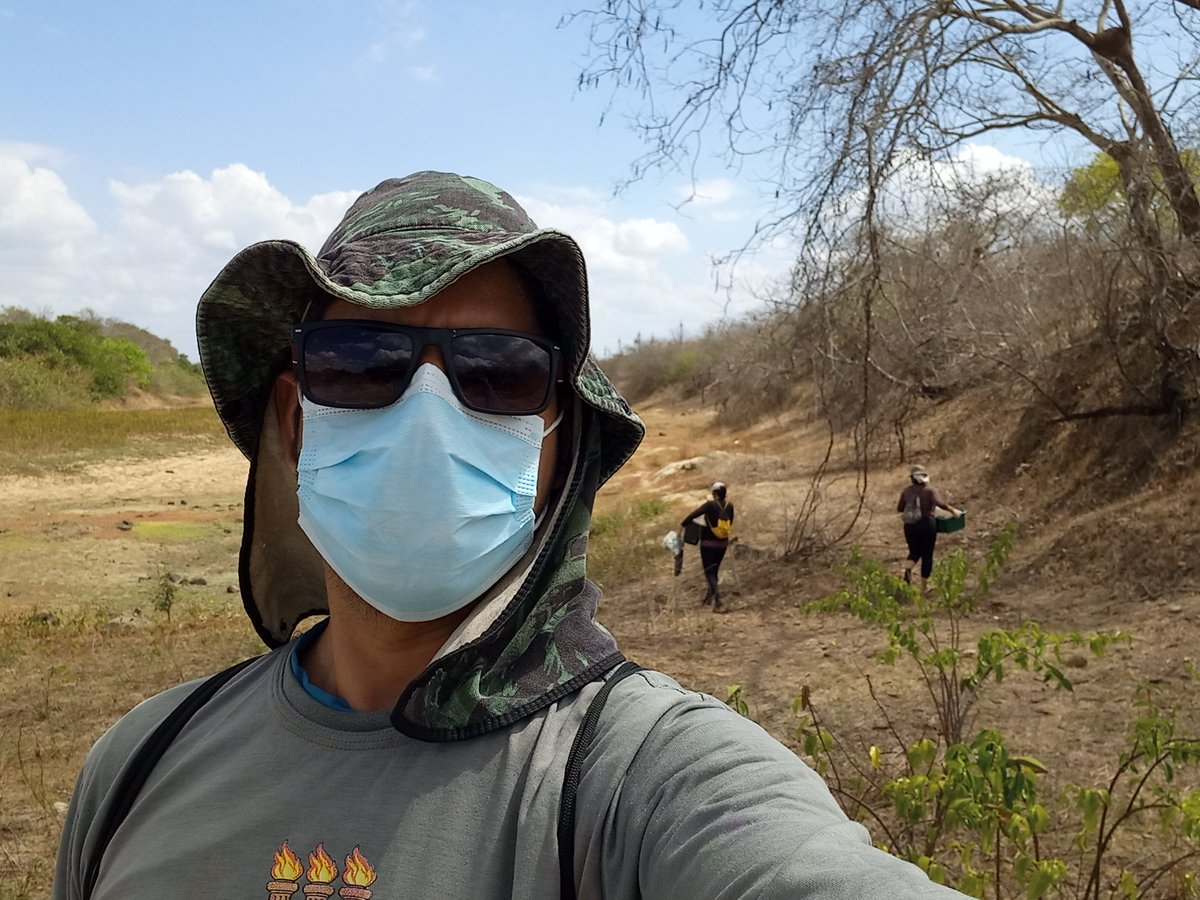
pixel 916 507
pixel 715 519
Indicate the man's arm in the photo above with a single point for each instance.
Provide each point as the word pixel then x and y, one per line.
pixel 711 806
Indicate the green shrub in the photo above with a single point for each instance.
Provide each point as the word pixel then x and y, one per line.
pixel 116 365
pixel 29 382
pixel 957 801
pixel 179 377
pixel 650 509
pixel 75 345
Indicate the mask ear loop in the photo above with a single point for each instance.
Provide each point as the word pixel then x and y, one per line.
pixel 553 425
pixel 540 517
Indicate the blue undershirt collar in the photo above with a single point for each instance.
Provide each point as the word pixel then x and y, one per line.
pixel 306 640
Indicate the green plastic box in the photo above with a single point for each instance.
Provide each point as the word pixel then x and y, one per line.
pixel 951 523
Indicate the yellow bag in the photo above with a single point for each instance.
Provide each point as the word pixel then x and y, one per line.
pixel 723 528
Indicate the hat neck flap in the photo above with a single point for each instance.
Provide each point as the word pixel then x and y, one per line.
pixel 281 574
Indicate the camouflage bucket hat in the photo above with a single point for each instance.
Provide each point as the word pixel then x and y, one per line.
pixel 397 246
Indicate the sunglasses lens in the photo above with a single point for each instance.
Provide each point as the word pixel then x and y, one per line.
pixel 356 366
pixel 501 373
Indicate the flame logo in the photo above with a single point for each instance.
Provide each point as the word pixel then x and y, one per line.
pixel 287 865
pixel 358 871
pixel 320 867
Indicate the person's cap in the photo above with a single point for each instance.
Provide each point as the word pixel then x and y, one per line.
pixel 397 246
pixel 718 486
pixel 919 475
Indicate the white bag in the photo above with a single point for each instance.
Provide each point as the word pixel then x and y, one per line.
pixel 672 542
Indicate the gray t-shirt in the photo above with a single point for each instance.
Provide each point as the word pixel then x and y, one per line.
pixel 269 793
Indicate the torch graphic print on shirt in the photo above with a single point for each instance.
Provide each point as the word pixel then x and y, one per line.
pixel 357 876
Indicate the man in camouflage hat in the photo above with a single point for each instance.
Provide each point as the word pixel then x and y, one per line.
pixel 426 432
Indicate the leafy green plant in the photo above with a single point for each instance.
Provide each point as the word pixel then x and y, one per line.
pixel 735 700
pixel 927 629
pixel 961 804
pixel 164 595
pixel 1142 786
pixel 72 343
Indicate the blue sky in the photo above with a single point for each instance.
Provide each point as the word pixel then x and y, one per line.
pixel 143 143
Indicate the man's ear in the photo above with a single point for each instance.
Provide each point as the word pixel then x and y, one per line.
pixel 285 395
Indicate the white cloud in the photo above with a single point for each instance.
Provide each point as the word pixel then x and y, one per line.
pixel 172 236
pixel 633 245
pixel 36 210
pixel 921 193
pixel 977 173
pixel 44 234
pixel 184 212
pixel 649 238
pixel 645 274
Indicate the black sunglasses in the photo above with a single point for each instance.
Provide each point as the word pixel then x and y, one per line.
pixel 364 364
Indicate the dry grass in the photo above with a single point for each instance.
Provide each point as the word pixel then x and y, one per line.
pixel 62 684
pixel 34 441
pixel 625 539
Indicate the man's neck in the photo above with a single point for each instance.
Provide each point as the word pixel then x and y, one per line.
pixel 367 658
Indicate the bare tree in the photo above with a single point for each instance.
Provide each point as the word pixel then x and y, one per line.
pixel 803 82
pixel 829 100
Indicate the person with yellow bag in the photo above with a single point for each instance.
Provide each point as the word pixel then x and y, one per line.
pixel 714 519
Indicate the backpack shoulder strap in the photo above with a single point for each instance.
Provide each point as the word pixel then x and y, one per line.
pixel 138 769
pixel 566 807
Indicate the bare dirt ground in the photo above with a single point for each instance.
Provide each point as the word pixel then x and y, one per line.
pixel 82 557
pixel 771 646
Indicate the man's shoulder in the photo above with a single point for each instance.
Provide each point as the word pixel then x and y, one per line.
pixel 128 732
pixel 648 704
pixel 117 745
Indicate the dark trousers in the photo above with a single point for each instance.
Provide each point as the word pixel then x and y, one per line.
pixel 921 537
pixel 710 557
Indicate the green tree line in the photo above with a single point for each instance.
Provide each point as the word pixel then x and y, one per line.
pixel 76 360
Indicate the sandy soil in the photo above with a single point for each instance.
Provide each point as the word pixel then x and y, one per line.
pixel 62 545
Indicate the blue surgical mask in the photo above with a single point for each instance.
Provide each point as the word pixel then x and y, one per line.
pixel 421 506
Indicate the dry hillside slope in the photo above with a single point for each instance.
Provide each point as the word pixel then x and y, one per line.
pixel 1101 546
